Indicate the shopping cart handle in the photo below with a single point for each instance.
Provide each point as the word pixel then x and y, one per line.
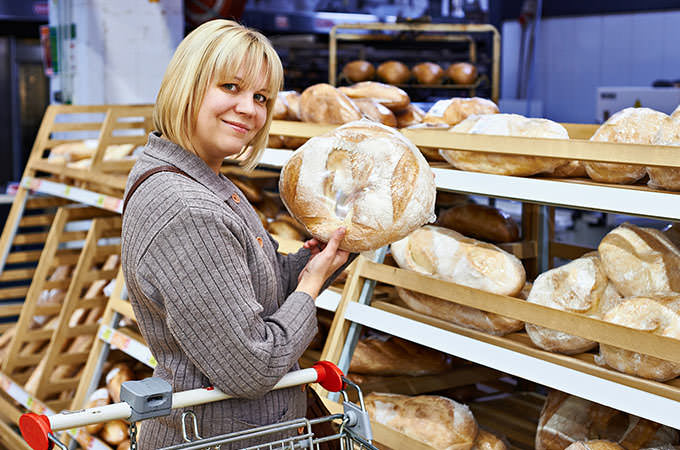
pixel 34 429
pixel 329 376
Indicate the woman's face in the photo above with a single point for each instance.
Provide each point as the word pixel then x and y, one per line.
pixel 229 117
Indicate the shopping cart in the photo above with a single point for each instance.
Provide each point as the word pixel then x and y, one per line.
pixel 153 397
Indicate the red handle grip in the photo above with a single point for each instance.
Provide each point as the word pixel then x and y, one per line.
pixel 329 376
pixel 34 429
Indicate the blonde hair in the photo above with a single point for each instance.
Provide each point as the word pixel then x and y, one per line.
pixel 214 52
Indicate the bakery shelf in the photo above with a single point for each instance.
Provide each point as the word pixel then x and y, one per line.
pixel 73 193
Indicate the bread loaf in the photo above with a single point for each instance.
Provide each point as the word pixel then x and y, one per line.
pixel 119 374
pixel 394 72
pixel 285 230
pixel 114 432
pixel 668 134
pixel 487 441
pixel 450 256
pixel 275 141
pixel 100 397
pixel 412 115
pixel 292 99
pixel 125 445
pixel 566 419
pixel 428 73
pixel 437 421
pixel 480 222
pixel 454 110
pixel 376 112
pixel 280 107
pixel 322 103
pixel 640 261
pixel 462 73
pixel 293 142
pixel 506 125
pixel 628 126
pixel 458 314
pixel 572 169
pixel 389 96
pixel 595 445
pixel 359 70
pixel 390 356
pixel 364 176
pixel 580 286
pixel 660 316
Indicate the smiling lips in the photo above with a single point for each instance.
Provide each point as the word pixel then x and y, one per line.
pixel 237 126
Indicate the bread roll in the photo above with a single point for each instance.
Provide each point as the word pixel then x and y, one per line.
pixel 359 70
pixel 628 126
pixel 389 96
pixel 595 445
pixel 100 397
pixel 412 115
pixel 566 419
pixel 364 176
pixel 119 374
pixel 428 73
pixel 293 142
pixel 450 256
pixel 506 125
pixel 125 445
pixel 458 314
pixel 580 286
pixel 480 222
pixel 454 110
pixel 437 421
pixel 668 134
pixel 275 141
pixel 390 356
pixel 462 73
pixel 394 72
pixel 660 316
pixel 322 103
pixel 73 151
pixel 285 217
pixel 640 261
pixel 487 441
pixel 280 107
pixel 376 112
pixel 572 169
pixel 114 432
pixel 285 230
pixel 292 99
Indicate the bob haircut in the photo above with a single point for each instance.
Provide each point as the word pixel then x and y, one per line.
pixel 214 53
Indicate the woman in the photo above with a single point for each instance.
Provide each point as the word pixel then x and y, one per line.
pixel 214 300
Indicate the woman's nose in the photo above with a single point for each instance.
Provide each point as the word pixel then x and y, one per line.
pixel 245 104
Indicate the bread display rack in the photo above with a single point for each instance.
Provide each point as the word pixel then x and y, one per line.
pixel 424 32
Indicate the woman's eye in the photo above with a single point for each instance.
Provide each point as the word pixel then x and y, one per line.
pixel 230 86
pixel 260 98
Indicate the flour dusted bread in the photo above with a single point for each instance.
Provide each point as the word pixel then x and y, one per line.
pixel 506 125
pixel 660 316
pixel 280 107
pixel 292 99
pixel 448 255
pixel 454 110
pixel 628 126
pixel 580 286
pixel 566 419
pixel 322 103
pixel 438 421
pixel 376 112
pixel 595 445
pixel 480 222
pixel 364 176
pixel 487 441
pixel 462 315
pixel 394 72
pixel 389 96
pixel 412 115
pixel 668 134
pixel 640 261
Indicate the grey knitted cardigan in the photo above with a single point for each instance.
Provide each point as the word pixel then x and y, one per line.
pixel 213 298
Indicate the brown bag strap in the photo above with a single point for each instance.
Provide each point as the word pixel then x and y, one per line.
pixel 146 175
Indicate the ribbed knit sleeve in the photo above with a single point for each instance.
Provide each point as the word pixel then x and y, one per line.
pixel 198 265
pixel 291 266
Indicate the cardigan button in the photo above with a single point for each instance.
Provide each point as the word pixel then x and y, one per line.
pixel 235 198
pixel 259 241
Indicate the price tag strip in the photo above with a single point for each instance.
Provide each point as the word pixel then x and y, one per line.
pixel 73 193
pixel 127 344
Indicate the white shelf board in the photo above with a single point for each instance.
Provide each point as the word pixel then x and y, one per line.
pixel 273 157
pixel 599 390
pixel 73 193
pixel 328 300
pixel 656 204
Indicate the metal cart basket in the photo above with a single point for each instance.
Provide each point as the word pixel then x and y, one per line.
pixel 152 397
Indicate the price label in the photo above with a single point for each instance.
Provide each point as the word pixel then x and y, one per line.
pixel 120 341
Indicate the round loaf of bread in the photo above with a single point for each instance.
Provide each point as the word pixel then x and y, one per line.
pixel 363 176
pixel 389 96
pixel 428 73
pixel 595 445
pixel 487 441
pixel 275 141
pixel 437 421
pixel 458 314
pixel 480 222
pixel 462 73
pixel 293 142
pixel 119 374
pixel 506 125
pixel 454 110
pixel 376 112
pixel 448 255
pixel 572 169
pixel 322 103
pixel 280 107
pixel 580 286
pixel 292 99
pixel 114 432
pixel 640 261
pixel 359 70
pixel 412 115
pixel 660 316
pixel 628 126
pixel 394 72
pixel 100 397
pixel 668 134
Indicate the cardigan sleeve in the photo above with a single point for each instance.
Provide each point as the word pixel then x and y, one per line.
pixel 198 266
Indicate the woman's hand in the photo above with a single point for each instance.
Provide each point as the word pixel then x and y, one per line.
pixel 325 260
